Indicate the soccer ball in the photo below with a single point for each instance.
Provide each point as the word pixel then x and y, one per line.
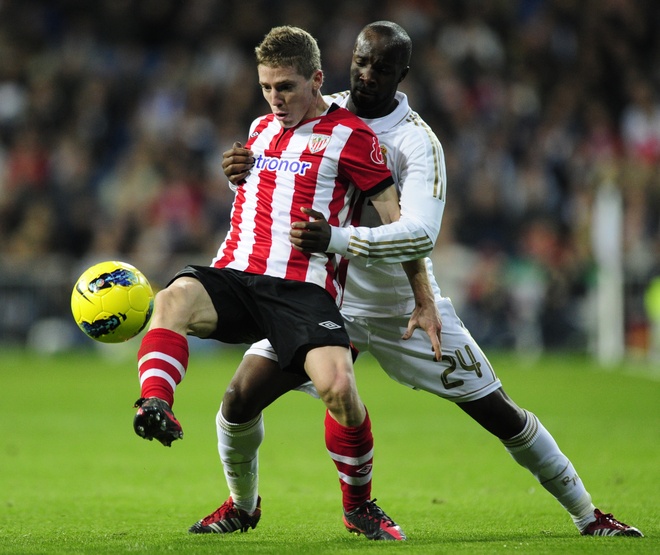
pixel 112 302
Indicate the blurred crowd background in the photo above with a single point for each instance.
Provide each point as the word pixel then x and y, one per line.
pixel 114 115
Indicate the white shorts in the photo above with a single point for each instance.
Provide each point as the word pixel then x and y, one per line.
pixel 463 374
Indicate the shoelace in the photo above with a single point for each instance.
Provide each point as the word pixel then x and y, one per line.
pixel 609 517
pixel 224 509
pixel 376 513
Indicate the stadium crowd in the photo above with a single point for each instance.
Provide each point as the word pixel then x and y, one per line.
pixel 114 115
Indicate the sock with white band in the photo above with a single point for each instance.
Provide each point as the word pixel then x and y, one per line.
pixel 536 450
pixel 238 446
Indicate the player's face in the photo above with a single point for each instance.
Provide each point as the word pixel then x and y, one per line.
pixel 291 97
pixel 376 71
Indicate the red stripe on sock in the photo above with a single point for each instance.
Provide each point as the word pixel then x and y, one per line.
pixel 162 343
pixel 354 442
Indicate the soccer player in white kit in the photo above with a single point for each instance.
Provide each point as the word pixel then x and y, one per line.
pixel 310 154
pixel 380 310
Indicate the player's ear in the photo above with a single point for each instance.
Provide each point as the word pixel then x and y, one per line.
pixel 317 80
pixel 404 73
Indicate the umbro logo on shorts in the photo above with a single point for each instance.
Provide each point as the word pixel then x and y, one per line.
pixel 330 325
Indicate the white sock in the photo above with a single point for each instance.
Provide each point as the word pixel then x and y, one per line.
pixel 238 446
pixel 536 450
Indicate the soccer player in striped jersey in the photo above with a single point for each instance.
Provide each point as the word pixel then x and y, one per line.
pixel 308 154
pixel 381 309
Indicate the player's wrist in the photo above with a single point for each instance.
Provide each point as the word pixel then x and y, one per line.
pixel 339 239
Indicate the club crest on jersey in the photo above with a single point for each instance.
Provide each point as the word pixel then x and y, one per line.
pixel 376 153
pixel 318 142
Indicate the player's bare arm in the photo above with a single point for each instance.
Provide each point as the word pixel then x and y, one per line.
pixel 386 204
pixel 425 315
pixel 237 163
pixel 314 236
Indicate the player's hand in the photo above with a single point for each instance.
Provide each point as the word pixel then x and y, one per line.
pixel 427 318
pixel 310 236
pixel 155 420
pixel 237 163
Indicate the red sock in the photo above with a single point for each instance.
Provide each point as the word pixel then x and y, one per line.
pixel 162 363
pixel 352 450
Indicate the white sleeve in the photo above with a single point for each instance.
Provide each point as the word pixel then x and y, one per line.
pixel 423 189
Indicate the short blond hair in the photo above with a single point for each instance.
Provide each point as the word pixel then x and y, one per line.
pixel 288 46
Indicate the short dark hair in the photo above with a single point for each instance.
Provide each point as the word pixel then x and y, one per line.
pixel 397 35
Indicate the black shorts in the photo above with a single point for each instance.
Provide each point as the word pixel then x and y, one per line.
pixel 295 316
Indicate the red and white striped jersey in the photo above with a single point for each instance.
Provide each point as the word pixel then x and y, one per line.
pixel 319 164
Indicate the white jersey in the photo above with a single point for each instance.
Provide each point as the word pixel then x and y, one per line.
pixel 318 163
pixel 375 284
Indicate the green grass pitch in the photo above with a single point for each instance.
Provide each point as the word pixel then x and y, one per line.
pixel 74 478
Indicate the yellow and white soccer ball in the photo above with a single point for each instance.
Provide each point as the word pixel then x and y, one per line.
pixel 112 301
